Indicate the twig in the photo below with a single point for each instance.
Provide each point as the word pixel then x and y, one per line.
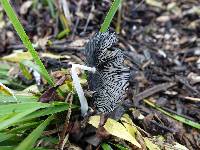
pixel 153 90
pixel 77 18
pixel 50 132
pixel 193 99
pixel 64 137
pixel 89 17
pixel 55 48
pixel 138 5
pixel 186 83
pixel 119 19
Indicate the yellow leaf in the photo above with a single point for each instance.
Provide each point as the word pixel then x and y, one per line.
pixel 159 142
pixel 178 146
pixel 17 57
pixel 53 56
pixel 127 122
pixel 150 145
pixel 131 129
pixel 94 120
pixel 127 119
pixel 29 90
pixel 116 129
pixel 5 90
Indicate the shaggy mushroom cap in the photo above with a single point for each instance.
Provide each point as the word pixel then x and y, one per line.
pixel 110 80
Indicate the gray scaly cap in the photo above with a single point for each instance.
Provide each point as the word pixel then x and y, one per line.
pixel 110 80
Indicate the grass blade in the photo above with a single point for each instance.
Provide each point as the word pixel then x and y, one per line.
pixel 110 15
pixel 25 126
pixel 25 72
pixel 6 147
pixel 21 98
pixel 179 118
pixel 18 27
pixel 33 66
pixel 5 136
pixel 47 111
pixel 20 107
pixel 106 146
pixel 7 123
pixel 51 7
pixel 30 140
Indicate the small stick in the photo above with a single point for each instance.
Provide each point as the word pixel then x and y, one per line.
pixel 64 137
pixel 153 90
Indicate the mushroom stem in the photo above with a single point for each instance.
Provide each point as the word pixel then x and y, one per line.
pixel 77 85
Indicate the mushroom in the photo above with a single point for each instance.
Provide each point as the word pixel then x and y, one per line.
pixel 110 80
pixel 108 77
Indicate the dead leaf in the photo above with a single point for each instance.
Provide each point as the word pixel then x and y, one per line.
pixel 155 3
pixel 116 129
pixel 51 94
pixel 53 56
pixel 78 43
pixel 159 141
pixel 163 18
pixel 5 90
pixel 42 42
pixel 25 6
pixel 48 95
pixel 150 144
pixel 17 57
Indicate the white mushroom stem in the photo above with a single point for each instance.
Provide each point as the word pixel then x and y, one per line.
pixel 77 85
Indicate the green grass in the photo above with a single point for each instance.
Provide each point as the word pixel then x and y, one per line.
pixel 20 30
pixel 30 140
pixel 8 122
pixel 110 15
pixel 177 117
pixel 17 119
